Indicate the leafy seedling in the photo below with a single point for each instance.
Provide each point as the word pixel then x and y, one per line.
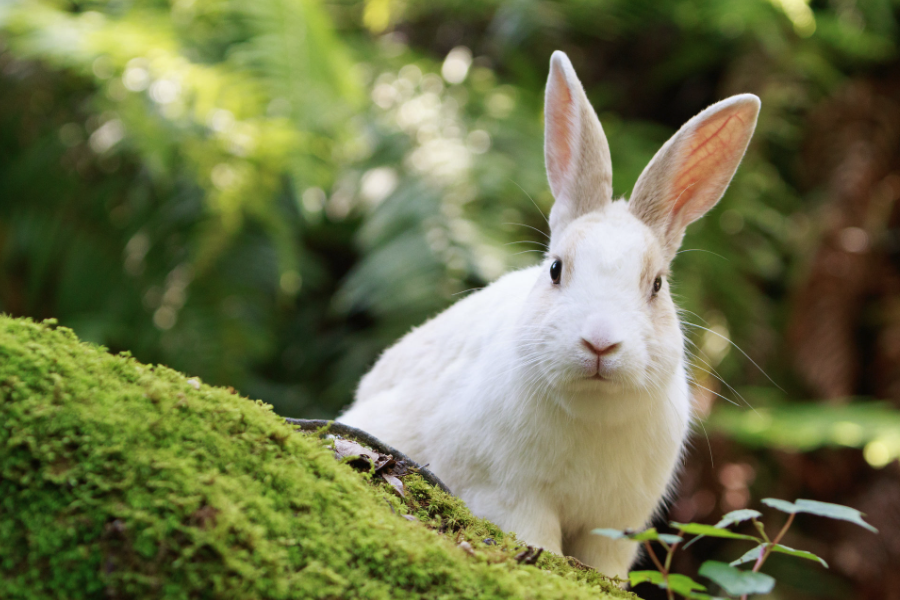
pixel 733 581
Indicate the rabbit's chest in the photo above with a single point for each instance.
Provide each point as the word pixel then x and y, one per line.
pixel 619 482
pixel 606 475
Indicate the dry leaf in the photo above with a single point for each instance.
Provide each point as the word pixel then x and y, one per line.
pixel 359 455
pixel 395 483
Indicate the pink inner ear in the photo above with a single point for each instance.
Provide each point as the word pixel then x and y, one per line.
pixel 709 157
pixel 560 130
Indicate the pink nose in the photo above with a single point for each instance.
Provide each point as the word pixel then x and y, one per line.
pixel 600 349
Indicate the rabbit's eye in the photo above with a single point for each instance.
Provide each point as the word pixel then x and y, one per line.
pixel 657 283
pixel 556 271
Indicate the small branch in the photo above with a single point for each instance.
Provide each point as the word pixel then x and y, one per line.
pixel 655 560
pixel 671 552
pixel 784 529
pixel 770 546
pixel 662 569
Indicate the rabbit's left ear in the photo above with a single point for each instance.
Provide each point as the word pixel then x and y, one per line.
pixel 691 171
pixel 575 148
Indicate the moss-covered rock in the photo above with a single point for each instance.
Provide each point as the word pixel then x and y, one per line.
pixel 120 480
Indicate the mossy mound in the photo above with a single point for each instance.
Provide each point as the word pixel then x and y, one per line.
pixel 120 480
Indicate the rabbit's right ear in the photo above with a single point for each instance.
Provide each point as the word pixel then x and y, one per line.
pixel 575 148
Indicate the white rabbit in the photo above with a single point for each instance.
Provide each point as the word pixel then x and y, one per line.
pixel 555 401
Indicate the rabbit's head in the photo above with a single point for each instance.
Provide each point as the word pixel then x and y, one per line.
pixel 601 308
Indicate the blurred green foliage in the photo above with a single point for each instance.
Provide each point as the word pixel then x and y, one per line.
pixel 873 426
pixel 266 193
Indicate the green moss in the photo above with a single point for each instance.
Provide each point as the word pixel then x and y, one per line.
pixel 121 480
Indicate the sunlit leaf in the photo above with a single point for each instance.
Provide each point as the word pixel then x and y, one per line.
pixel 711 531
pixel 738 516
pixel 736 582
pixel 755 553
pixel 670 538
pixel 615 534
pixel 646 535
pixel 782 505
pixel 636 577
pixel 750 556
pixel 833 511
pixel 639 536
pixel 821 509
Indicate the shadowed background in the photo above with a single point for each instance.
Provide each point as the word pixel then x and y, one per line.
pixel 266 193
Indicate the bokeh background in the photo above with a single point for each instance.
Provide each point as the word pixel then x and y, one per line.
pixel 266 193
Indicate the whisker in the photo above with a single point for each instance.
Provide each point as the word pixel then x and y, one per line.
pixel 529 227
pixel 467 291
pixel 532 201
pixel 739 349
pixel 690 312
pixel 726 399
pixel 712 371
pixel 704 250
pixel 542 244
pixel 712 462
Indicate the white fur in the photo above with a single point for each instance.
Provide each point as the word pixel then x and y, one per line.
pixel 496 394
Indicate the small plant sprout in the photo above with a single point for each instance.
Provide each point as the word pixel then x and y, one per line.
pixel 733 582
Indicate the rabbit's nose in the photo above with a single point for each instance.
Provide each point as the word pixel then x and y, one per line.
pixel 600 348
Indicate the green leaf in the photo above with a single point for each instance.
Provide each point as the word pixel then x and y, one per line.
pixel 749 556
pixel 670 538
pixel 613 534
pixel 638 536
pixel 754 554
pixel 738 516
pixel 636 577
pixel 736 582
pixel 782 505
pixel 822 509
pixel 833 511
pixel 684 585
pixel 711 531
pixel 681 584
pixel 646 535
pixel 801 553
pixel 735 516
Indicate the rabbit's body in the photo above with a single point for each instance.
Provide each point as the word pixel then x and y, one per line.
pixel 459 393
pixel 554 405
